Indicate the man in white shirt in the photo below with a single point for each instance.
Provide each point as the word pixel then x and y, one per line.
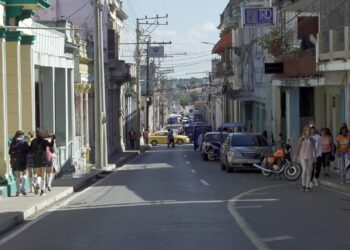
pixel 317 165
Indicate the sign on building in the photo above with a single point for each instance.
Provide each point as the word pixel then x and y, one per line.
pixel 156 51
pixel 258 16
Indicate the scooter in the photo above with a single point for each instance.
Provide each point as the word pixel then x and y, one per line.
pixel 212 151
pixel 280 162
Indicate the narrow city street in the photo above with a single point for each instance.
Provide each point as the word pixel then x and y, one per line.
pixel 172 199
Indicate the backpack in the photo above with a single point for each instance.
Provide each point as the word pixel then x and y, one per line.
pixel 17 160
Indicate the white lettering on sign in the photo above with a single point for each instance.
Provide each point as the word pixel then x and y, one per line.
pixel 265 14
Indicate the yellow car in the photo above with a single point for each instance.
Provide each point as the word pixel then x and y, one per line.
pixel 161 137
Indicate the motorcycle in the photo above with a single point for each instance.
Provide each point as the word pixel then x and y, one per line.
pixel 280 162
pixel 211 151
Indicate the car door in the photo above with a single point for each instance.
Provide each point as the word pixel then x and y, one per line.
pixel 225 147
pixel 163 138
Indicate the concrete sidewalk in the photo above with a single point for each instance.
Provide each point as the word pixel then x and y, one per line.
pixel 15 210
pixel 334 182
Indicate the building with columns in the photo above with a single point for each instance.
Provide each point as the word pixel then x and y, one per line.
pixel 17 86
pixel 113 16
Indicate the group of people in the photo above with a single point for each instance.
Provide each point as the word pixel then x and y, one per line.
pixel 133 137
pixel 317 149
pixel 33 155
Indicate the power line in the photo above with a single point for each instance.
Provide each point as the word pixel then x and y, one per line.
pixel 79 9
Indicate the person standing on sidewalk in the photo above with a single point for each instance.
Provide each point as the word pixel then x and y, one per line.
pixel 145 136
pixel 132 138
pixel 38 147
pixel 18 151
pixel 327 149
pixel 317 165
pixel 306 154
pixel 343 146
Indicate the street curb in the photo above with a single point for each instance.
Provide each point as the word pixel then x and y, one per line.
pixel 19 218
pixel 338 187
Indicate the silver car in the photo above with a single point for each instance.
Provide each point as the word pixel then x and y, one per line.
pixel 242 150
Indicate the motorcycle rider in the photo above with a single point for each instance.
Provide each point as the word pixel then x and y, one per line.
pixel 306 154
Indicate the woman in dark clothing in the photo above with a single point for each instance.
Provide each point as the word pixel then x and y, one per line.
pixel 18 151
pixel 41 160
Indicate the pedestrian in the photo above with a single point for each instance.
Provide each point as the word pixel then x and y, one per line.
pixel 41 158
pixel 343 146
pixel 145 136
pixel 171 138
pixel 18 151
pixel 306 154
pixel 132 138
pixel 316 170
pixel 51 156
pixel 327 145
pixel 30 170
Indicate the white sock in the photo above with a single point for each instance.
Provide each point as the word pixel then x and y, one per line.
pixel 43 187
pixel 38 180
pixel 49 182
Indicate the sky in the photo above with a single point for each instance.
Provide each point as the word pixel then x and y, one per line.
pixel 190 22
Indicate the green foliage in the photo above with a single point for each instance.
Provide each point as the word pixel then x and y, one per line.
pixel 194 96
pixel 269 40
pixel 184 100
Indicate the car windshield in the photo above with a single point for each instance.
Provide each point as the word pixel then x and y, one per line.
pixel 246 140
pixel 215 137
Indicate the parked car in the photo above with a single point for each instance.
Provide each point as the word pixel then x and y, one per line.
pixel 242 150
pixel 199 130
pixel 161 137
pixel 211 145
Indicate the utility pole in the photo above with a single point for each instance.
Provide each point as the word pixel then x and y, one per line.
pixel 100 106
pixel 138 91
pixel 139 33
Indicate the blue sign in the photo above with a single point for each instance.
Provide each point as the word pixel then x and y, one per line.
pixel 255 17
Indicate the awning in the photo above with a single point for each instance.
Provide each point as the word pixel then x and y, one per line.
pixel 224 42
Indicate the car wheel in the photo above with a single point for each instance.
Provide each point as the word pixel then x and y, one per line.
pixel 154 143
pixel 204 157
pixel 180 141
pixel 229 168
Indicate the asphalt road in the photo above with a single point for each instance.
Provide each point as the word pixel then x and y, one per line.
pixel 171 199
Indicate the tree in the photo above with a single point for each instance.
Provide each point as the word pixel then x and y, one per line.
pixel 184 100
pixel 194 96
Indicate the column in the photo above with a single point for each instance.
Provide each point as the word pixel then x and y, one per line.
pixel 47 77
pixel 86 115
pixel 14 85
pixel 61 106
pixel 28 84
pixel 293 113
pixel 79 93
pixel 4 166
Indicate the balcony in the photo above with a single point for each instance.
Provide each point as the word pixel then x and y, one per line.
pixel 119 71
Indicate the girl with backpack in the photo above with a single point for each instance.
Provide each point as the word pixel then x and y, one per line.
pixel 41 160
pixel 18 151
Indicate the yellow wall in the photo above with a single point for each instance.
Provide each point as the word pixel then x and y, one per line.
pixel 14 96
pixel 28 88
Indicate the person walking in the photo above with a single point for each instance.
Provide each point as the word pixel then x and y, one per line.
pixel 327 145
pixel 145 136
pixel 41 160
pixel 171 138
pixel 306 154
pixel 316 170
pixel 18 151
pixel 132 138
pixel 343 147
pixel 51 156
pixel 30 170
